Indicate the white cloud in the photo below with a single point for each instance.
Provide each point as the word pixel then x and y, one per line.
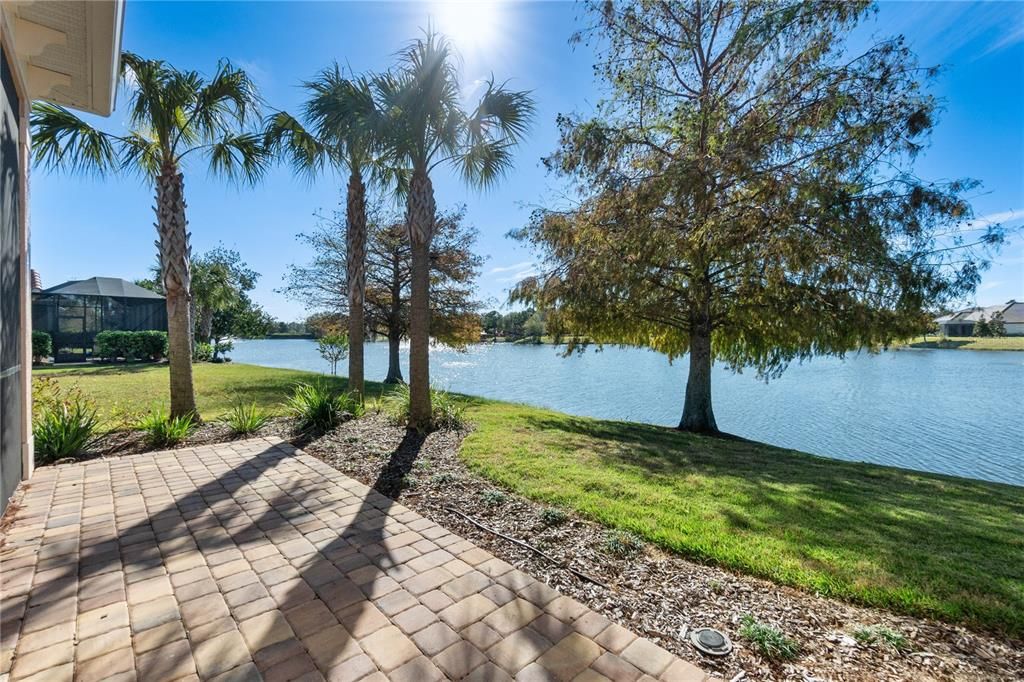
pixel 509 268
pixel 1008 40
pixel 520 275
pixel 1002 218
pixel 256 72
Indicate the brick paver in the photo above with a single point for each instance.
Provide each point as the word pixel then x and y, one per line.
pixel 253 561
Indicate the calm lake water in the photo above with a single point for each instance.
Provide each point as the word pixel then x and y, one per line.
pixel 951 412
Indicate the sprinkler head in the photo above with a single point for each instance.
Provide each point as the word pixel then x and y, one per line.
pixel 710 641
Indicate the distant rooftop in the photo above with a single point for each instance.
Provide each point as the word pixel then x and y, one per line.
pixel 102 286
pixel 1011 311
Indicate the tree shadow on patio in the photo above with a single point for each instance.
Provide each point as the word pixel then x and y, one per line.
pixel 300 587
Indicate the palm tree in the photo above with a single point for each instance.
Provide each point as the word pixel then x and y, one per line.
pixel 340 133
pixel 172 114
pixel 427 127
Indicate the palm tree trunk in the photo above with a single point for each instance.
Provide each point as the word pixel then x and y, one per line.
pixel 419 220
pixel 698 415
pixel 355 235
pixel 175 254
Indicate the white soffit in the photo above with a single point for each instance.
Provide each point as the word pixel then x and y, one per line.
pixel 69 50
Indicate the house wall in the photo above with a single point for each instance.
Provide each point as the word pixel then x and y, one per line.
pixel 1015 328
pixel 957 329
pixel 16 460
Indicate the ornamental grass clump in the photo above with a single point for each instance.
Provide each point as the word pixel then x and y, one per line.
pixel 446 411
pixel 768 641
pixel 553 516
pixel 246 419
pixel 318 408
pixel 64 421
pixel 162 430
pixel 622 544
pixel 493 498
pixel 881 635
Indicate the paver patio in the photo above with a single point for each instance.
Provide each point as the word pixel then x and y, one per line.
pixel 252 560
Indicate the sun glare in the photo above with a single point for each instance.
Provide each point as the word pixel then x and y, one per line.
pixel 474 26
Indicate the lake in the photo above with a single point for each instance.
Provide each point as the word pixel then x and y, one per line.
pixel 945 411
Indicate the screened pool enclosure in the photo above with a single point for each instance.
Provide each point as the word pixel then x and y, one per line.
pixel 73 313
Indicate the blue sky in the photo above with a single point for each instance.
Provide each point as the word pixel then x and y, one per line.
pixel 85 227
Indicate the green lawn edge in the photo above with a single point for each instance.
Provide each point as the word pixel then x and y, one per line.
pixel 915 543
pixel 912 542
pixel 969 343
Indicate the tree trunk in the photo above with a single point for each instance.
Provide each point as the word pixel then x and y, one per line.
pixel 206 325
pixel 419 220
pixel 395 323
pixel 394 360
pixel 698 416
pixel 175 254
pixel 355 235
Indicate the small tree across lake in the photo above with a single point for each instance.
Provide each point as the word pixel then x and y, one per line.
pixel 333 348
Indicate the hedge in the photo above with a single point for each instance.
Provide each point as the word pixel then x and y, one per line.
pixel 143 345
pixel 42 346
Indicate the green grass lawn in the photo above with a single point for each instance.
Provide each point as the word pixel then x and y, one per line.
pixel 916 543
pixel 912 542
pixel 969 343
pixel 126 389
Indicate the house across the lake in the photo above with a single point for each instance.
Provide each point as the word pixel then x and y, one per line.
pixel 962 323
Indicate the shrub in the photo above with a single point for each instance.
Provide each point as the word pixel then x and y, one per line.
pixel 163 430
pixel 443 478
pixel 622 544
pixel 879 634
pixel 111 345
pixel 245 419
pixel 221 349
pixel 42 346
pixel 768 641
pixel 202 352
pixel 446 411
pixel 493 498
pixel 64 422
pixel 147 344
pixel 151 344
pixel 552 516
pixel 316 407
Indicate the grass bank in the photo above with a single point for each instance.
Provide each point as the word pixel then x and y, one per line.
pixel 969 343
pixel 912 542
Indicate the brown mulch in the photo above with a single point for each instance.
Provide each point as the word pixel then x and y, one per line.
pixel 660 595
pixel 133 442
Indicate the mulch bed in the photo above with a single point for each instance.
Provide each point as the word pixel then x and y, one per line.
pixel 658 594
pixel 133 442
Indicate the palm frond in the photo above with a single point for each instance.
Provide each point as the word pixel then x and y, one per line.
pixel 141 154
pixel 484 163
pixel 230 93
pixel 239 157
pixel 509 112
pixel 63 141
pixel 284 136
pixel 342 113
